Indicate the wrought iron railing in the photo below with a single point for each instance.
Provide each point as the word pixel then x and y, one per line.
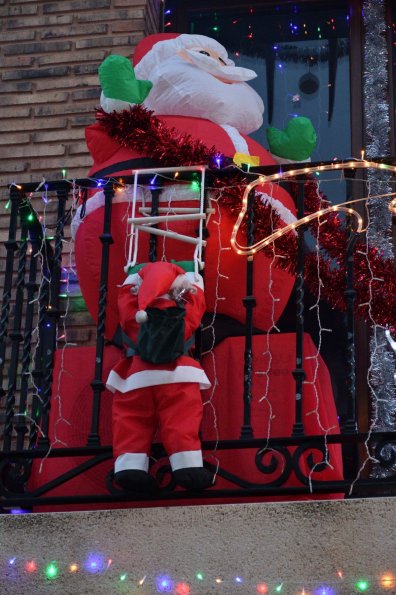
pixel 29 324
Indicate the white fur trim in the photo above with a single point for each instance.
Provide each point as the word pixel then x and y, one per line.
pixel 283 160
pixel 113 105
pixel 98 200
pixel 133 279
pixel 132 460
pixel 176 192
pixel 285 214
pixel 187 458
pixel 157 377
pixel 240 144
pixel 195 279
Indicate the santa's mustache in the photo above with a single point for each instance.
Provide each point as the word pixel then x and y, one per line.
pixel 228 72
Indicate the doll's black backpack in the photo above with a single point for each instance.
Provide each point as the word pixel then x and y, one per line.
pixel 161 337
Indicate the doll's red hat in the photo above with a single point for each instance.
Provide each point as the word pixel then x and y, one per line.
pixel 157 279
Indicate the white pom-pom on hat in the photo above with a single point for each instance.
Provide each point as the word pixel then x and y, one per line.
pixel 157 277
pixel 141 316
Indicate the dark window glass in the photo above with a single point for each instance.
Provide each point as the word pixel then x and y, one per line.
pixel 300 54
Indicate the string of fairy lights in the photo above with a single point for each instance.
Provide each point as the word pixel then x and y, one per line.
pixel 109 570
pixel 41 219
pixel 294 22
pixel 240 249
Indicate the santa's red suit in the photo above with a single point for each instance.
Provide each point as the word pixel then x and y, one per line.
pixel 149 395
pixel 112 159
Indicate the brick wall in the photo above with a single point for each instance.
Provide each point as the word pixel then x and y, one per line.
pixel 49 55
pixel 49 58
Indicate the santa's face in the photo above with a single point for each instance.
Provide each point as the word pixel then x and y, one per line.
pixel 219 66
pixel 198 83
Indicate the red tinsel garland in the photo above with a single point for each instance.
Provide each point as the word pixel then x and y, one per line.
pixel 374 275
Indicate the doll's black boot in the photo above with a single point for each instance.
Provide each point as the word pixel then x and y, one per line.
pixel 193 478
pixel 135 480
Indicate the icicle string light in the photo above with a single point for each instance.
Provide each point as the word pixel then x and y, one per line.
pixel 210 328
pixel 314 381
pixel 267 353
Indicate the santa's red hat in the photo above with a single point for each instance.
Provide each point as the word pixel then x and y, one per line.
pixel 157 279
pixel 145 45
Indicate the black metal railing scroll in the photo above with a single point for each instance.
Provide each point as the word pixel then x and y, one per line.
pixel 289 465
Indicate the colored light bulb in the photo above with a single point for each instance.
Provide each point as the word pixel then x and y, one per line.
pixel 94 563
pixel 164 584
pixel 388 581
pixel 52 570
pixel 182 589
pixel 362 585
pixel 324 590
pixel 31 566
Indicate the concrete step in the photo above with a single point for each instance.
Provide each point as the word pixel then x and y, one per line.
pixel 314 547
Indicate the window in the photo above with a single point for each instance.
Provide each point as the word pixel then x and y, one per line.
pixel 300 53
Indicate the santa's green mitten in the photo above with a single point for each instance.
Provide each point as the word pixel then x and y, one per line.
pixel 295 143
pixel 120 88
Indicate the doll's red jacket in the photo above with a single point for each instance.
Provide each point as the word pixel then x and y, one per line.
pixel 133 373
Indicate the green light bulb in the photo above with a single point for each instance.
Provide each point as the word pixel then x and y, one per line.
pixel 362 585
pixel 51 570
pixel 200 576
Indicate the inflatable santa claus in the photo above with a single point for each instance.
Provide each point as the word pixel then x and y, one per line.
pixel 191 86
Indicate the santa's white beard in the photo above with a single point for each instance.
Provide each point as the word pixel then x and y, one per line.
pixel 180 88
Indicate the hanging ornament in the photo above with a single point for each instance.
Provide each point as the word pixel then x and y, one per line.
pixel 308 83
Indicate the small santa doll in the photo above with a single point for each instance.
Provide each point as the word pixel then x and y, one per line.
pixel 158 383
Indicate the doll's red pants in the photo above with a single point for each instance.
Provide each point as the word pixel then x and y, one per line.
pixel 176 409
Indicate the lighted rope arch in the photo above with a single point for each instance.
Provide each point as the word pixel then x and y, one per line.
pixel 363 164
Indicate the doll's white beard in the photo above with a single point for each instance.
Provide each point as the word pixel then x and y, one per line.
pixel 183 89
